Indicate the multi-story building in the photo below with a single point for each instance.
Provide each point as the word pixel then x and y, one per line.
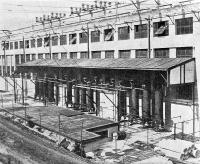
pixel 169 31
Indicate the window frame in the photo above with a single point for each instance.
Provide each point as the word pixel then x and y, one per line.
pixel 181 27
pixel 140 31
pixel 159 25
pixel 124 33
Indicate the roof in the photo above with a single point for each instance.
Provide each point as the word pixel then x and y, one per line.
pixel 160 64
pixel 71 121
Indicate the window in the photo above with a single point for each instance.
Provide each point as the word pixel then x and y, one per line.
pixel 162 53
pixel 84 55
pixel 124 53
pixel 109 54
pixel 28 57
pixel 47 56
pixel 12 69
pixel 33 56
pixel 63 39
pixel 16 59
pixel 40 56
pixel 184 52
pixel 4 71
pixel 11 45
pixel 8 70
pixel 181 91
pixel 109 35
pixel 46 41
pixel 21 44
pixel 73 55
pixel 26 43
pixel 16 45
pixel 142 53
pixel 63 55
pixel 83 38
pixel 123 33
pixel 72 38
pixel 6 45
pixel 33 43
pixel 54 40
pixel 95 36
pixel 22 58
pixel 161 28
pixel 184 26
pixel 55 55
pixel 140 31
pixel 96 54
pixel 39 42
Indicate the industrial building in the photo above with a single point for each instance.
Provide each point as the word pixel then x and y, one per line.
pixel 146 58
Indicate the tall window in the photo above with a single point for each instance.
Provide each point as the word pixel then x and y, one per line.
pixel 72 38
pixel 109 54
pixel 140 31
pixel 184 26
pixel 63 55
pixel 95 36
pixel 46 41
pixel 123 33
pixel 47 56
pixel 22 58
pixel 26 43
pixel 73 55
pixel 83 38
pixel 96 54
pixel 184 52
pixel 11 45
pixel 63 39
pixel 54 40
pixel 16 45
pixel 84 55
pixel 109 35
pixel 162 53
pixel 28 57
pixel 33 56
pixel 142 53
pixel 124 53
pixel 55 55
pixel 21 44
pixel 33 43
pixel 16 59
pixel 40 56
pixel 6 45
pixel 161 28
pixel 39 42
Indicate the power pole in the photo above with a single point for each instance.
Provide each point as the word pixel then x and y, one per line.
pixel 50 44
pixel 5 65
pixel 88 42
pixel 149 36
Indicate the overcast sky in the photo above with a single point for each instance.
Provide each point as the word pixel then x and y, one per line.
pixel 19 13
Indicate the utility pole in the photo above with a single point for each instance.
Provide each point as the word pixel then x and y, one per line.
pixel 88 42
pixel 50 44
pixel 149 36
pixel 5 65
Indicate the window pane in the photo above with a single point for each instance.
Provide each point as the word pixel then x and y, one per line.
pixel 141 53
pixel 16 45
pixel 55 55
pixel 123 33
pixel 73 55
pixel 54 40
pixel 161 28
pixel 162 53
pixel 26 43
pixel 83 37
pixel 84 55
pixel 95 36
pixel 63 55
pixel 11 45
pixel 96 54
pixel 184 26
pixel 63 39
pixel 109 35
pixel 40 56
pixel 39 42
pixel 140 31
pixel 28 58
pixel 72 38
pixel 109 54
pixel 16 59
pixel 184 52
pixel 124 53
pixel 33 43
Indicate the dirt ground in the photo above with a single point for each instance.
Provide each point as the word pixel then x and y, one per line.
pixel 19 146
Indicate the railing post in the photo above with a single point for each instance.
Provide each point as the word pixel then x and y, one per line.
pixel 174 131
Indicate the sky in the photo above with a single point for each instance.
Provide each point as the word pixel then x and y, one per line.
pixel 21 13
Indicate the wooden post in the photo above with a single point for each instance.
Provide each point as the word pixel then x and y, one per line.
pixel 22 89
pixel 97 102
pixel 174 131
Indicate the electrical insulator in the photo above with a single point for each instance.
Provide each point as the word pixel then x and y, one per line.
pixel 83 6
pixel 105 4
pixel 109 4
pixel 72 10
pixel 49 17
pixel 36 18
pixel 44 17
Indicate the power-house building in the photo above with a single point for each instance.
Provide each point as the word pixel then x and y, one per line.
pixel 142 61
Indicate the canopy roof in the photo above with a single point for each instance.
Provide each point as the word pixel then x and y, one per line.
pixel 160 64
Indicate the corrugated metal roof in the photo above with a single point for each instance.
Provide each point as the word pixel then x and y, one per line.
pixel 161 64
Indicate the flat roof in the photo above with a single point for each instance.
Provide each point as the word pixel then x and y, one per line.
pixel 71 122
pixel 160 64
